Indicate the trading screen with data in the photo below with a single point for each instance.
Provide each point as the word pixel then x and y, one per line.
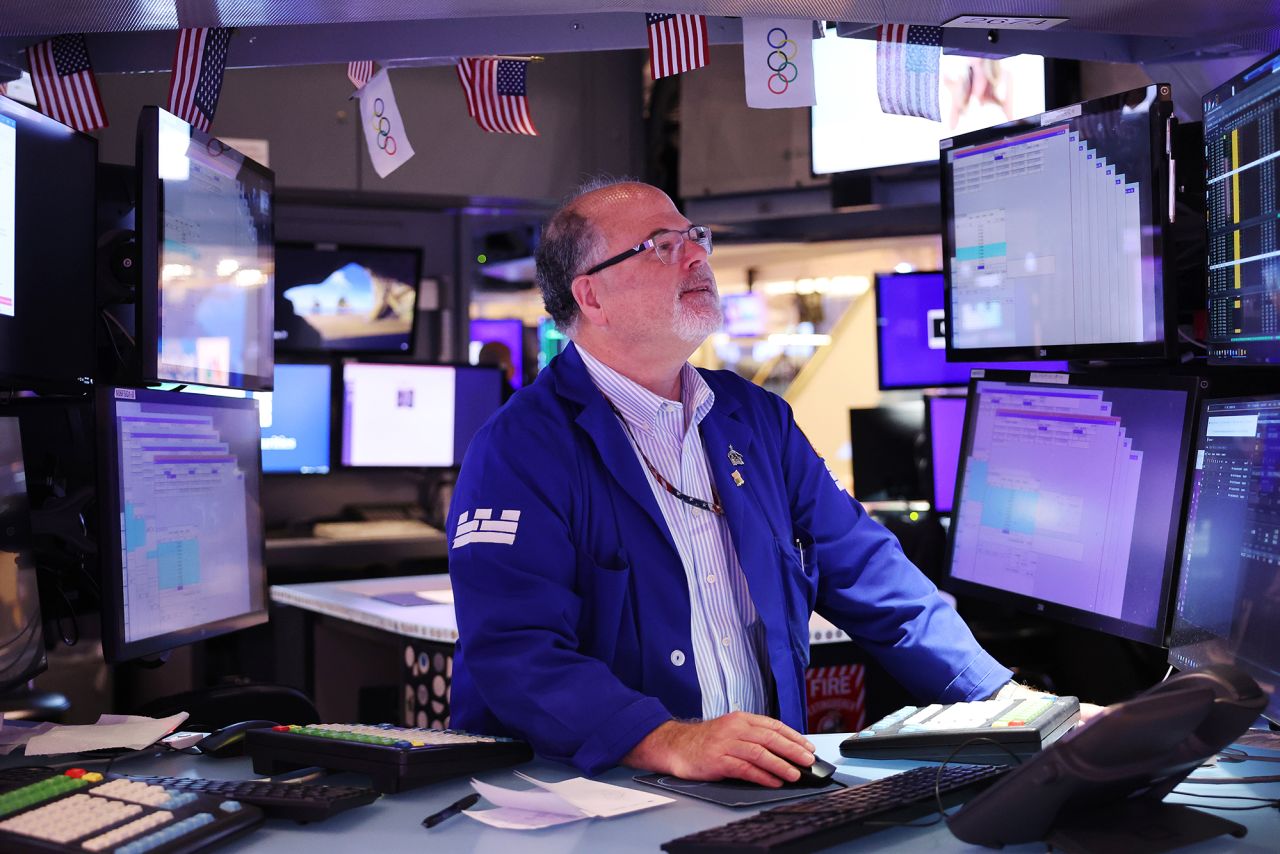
pixel 186 481
pixel 1228 602
pixel 1051 233
pixel 1070 497
pixel 1242 188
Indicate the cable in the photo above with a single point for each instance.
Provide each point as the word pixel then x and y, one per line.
pixel 1223 797
pixel 1192 341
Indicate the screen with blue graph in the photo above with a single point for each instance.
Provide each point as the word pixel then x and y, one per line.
pixel 1052 239
pixel 1228 603
pixel 1070 497
pixel 1242 179
pixel 184 477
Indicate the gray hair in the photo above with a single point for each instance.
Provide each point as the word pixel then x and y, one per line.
pixel 570 243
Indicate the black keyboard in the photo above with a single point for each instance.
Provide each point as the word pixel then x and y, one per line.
pixel 296 801
pixel 394 758
pixel 825 820
pixel 989 732
pixel 82 812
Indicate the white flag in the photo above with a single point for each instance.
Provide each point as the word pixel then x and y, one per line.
pixel 777 58
pixel 384 132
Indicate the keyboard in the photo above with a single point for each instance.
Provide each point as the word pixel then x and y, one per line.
pixel 394 758
pixel 83 812
pixel 1019 728
pixel 302 802
pixel 375 529
pixel 825 820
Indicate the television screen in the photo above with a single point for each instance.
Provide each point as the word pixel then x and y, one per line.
pixel 207 258
pixel 850 131
pixel 47 243
pixel 744 315
pixel 885 443
pixel 500 343
pixel 353 299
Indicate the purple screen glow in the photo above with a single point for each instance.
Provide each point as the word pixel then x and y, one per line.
pixel 510 333
pixel 946 429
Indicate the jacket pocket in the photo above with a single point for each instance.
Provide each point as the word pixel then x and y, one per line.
pixel 800 586
pixel 605 615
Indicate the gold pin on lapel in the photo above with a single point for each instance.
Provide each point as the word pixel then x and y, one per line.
pixel 737 477
pixel 735 458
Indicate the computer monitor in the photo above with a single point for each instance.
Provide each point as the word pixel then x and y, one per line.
pixel 850 131
pixel 414 416
pixel 488 338
pixel 47 242
pixel 350 299
pixel 207 258
pixel 295 419
pixel 745 315
pixel 1227 608
pixel 181 544
pixel 1053 233
pixel 1070 496
pixel 944 429
pixel 1241 175
pixel 911 336
pixel 22 636
pixel 885 442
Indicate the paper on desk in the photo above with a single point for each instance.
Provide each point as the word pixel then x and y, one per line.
pixel 558 803
pixel 132 732
pixel 18 733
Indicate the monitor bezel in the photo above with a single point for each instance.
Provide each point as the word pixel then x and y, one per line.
pixel 930 486
pixel 340 403
pixel 1272 711
pixel 333 449
pixel 1160 115
pixel 148 220
pixel 114 646
pixel 355 353
pixel 1156 635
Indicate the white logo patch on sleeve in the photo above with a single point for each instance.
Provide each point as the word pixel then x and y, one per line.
pixel 479 526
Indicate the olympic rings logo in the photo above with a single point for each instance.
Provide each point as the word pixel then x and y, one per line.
pixel 382 127
pixel 779 61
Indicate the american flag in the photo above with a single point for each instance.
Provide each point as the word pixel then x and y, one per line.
pixel 496 95
pixel 907 70
pixel 196 81
pixel 677 43
pixel 65 86
pixel 360 72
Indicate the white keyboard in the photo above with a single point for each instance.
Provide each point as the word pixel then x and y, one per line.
pixel 375 529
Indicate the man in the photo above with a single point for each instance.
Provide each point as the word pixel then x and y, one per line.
pixel 637 546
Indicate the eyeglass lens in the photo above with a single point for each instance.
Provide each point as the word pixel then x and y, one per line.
pixel 667 245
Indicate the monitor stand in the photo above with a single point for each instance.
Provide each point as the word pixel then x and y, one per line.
pixel 1139 826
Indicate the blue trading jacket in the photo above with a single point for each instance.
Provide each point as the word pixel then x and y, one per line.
pixel 572 602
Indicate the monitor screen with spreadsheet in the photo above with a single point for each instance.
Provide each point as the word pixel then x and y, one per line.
pixel 181 545
pixel 1053 233
pixel 1070 496
pixel 1227 608
pixel 1242 175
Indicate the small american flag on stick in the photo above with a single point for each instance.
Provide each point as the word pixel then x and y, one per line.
pixel 907 69
pixel 496 94
pixel 677 43
pixel 359 72
pixel 196 80
pixel 66 89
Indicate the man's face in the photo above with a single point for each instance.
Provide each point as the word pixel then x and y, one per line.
pixel 647 302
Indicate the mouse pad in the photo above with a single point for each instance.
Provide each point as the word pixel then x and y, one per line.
pixel 732 793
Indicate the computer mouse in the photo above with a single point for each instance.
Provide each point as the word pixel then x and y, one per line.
pixel 820 773
pixel 229 741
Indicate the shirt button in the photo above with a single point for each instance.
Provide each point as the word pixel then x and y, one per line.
pixel 711 579
pixel 677 658
pixel 725 641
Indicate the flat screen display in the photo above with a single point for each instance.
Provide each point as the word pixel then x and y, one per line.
pixel 499 342
pixel 911 335
pixel 945 419
pixel 205 217
pixel 22 653
pixel 1241 144
pixel 885 442
pixel 1070 497
pixel 1053 233
pixel 47 243
pixel 850 131
pixel 182 518
pixel 1227 609
pixel 353 299
pixel 414 416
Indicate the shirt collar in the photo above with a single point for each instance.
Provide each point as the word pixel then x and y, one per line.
pixel 640 407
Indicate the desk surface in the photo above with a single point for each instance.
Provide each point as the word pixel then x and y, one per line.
pixel 392 824
pixel 353 601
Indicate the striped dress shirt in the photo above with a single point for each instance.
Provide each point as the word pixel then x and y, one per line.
pixel 728 637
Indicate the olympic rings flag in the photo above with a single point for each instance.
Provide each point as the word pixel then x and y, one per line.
pixel 383 129
pixel 777 59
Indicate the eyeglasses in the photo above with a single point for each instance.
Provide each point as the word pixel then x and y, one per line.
pixel 665 244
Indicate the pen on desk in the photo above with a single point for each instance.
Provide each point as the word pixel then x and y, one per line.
pixel 451 810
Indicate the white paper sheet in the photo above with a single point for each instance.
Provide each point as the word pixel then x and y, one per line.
pixel 131 732
pixel 558 803
pixel 601 800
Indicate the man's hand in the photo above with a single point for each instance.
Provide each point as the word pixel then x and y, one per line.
pixel 748 747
